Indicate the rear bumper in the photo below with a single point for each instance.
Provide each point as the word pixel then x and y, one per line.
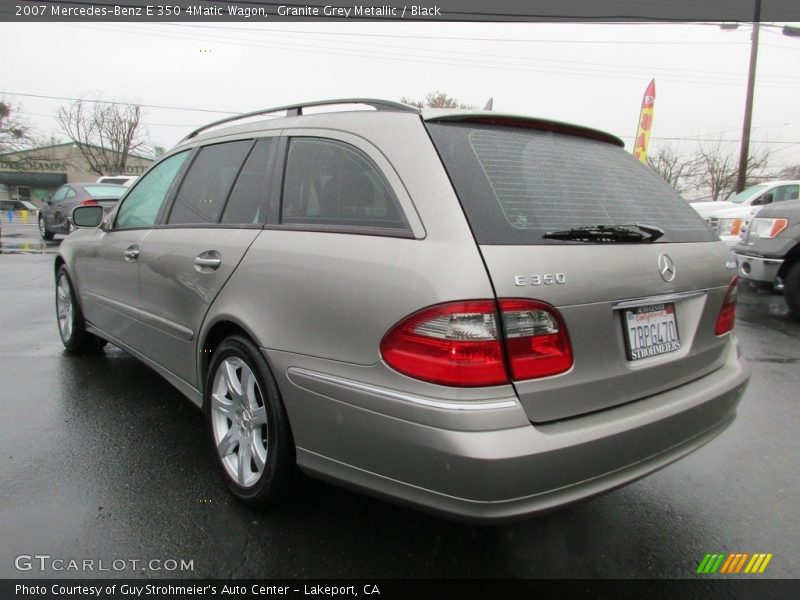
pixel 504 474
pixel 754 268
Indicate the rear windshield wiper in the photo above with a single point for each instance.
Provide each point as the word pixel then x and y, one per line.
pixel 633 232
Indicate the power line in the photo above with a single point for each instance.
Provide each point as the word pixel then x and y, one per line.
pixel 293 35
pixel 425 59
pixel 98 101
pixel 456 38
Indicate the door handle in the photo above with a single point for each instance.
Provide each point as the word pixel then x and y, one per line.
pixel 208 261
pixel 131 253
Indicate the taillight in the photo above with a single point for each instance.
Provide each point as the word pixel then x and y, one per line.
pixel 727 314
pixel 450 344
pixel 88 202
pixel 460 343
pixel 536 339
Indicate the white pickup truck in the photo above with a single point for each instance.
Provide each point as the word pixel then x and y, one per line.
pixel 727 218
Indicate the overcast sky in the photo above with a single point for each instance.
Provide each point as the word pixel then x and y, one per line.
pixel 590 74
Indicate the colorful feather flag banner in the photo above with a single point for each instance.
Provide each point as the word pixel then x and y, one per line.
pixel 645 123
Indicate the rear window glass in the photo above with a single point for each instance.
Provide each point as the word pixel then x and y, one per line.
pixel 98 191
pixel 517 184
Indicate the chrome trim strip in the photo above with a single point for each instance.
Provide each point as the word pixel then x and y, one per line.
pixel 677 297
pixel 772 261
pixel 472 405
pixel 146 318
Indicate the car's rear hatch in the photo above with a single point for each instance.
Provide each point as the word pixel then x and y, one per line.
pixel 520 180
pixel 105 195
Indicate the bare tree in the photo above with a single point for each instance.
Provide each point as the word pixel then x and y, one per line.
pixel 436 99
pixel 678 170
pixel 106 133
pixel 14 134
pixel 718 168
pixel 790 172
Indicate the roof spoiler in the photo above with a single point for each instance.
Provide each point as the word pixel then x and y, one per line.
pixel 501 120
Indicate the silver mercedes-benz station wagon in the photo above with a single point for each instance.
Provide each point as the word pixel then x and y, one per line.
pixel 480 314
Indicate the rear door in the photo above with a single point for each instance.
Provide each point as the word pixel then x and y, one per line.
pixel 640 314
pixel 218 211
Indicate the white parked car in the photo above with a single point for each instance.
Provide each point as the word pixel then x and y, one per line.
pixel 727 218
pixel 126 180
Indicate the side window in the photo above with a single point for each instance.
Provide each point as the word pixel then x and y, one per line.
pixel 334 184
pixel 786 192
pixel 140 207
pixel 70 194
pixel 247 201
pixel 204 189
pixel 60 194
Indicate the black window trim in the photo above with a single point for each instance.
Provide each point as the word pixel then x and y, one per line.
pixel 275 211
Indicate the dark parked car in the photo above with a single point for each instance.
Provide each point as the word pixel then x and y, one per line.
pixel 17 205
pixel 53 217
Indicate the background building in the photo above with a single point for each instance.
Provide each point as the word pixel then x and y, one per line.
pixel 35 174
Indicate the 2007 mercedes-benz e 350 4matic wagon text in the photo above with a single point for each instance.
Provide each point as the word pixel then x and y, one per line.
pixel 483 315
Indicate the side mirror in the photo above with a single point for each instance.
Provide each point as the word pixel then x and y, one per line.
pixel 86 216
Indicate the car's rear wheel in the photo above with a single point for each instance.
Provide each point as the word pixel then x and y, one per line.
pixel 791 289
pixel 46 235
pixel 247 423
pixel 71 325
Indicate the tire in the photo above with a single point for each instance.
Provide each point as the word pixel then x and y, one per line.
pixel 791 289
pixel 247 424
pixel 46 235
pixel 71 325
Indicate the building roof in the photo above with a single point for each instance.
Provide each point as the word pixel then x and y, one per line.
pixel 39 148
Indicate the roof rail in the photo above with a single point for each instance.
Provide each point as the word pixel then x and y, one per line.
pixel 295 110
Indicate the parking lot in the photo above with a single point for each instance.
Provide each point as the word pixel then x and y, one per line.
pixel 104 460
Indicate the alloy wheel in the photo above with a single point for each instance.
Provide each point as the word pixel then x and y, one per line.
pixel 239 421
pixel 65 309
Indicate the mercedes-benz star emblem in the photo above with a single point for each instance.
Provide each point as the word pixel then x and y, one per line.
pixel 666 268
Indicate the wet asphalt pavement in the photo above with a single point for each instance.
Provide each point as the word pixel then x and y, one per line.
pixel 100 458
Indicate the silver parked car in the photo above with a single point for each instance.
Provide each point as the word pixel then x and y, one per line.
pixel 483 315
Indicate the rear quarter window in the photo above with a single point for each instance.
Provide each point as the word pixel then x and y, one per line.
pixel 329 184
pixel 517 184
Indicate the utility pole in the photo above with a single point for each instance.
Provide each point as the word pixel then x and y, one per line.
pixel 748 106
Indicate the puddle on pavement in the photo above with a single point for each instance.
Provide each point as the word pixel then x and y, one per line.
pixel 28 248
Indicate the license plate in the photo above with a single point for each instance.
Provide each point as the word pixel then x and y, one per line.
pixel 650 330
